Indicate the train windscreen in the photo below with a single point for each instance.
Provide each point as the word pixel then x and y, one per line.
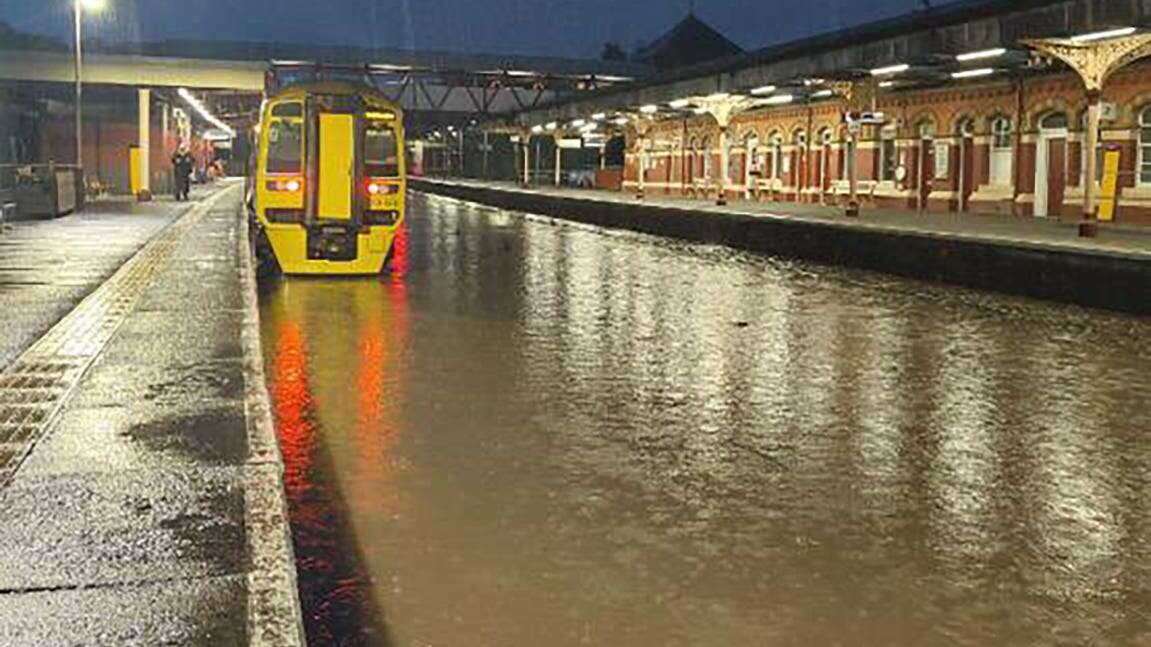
pixel 381 157
pixel 285 146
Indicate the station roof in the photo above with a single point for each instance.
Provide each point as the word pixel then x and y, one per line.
pixel 431 61
pixel 927 39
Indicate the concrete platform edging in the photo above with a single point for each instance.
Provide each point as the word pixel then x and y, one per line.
pixel 1098 279
pixel 274 612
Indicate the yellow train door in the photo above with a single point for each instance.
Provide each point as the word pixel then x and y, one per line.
pixel 337 153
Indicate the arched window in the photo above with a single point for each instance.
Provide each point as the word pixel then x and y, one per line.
pixel 753 162
pixel 965 127
pixel 689 159
pixel 1145 146
pixel 751 143
pixel 776 157
pixel 706 149
pixel 823 171
pixel 1054 121
pixel 1002 145
pixel 927 129
pixel 888 156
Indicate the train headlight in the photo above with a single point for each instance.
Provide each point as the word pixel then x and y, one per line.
pixel 381 187
pixel 290 185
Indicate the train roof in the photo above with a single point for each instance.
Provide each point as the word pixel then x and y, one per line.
pixel 304 88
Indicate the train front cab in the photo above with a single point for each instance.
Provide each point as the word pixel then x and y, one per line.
pixel 331 191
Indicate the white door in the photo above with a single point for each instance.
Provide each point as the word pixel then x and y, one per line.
pixel 1042 170
pixel 1052 128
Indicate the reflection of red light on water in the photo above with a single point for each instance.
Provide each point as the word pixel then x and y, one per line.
pixel 382 339
pixel 399 264
pixel 291 400
pixel 339 471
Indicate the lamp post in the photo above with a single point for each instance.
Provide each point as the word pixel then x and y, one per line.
pixel 78 9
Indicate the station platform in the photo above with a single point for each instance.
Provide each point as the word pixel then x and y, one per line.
pixel 1025 256
pixel 140 478
pixel 1042 232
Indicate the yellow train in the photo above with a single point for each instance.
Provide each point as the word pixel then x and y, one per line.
pixel 327 195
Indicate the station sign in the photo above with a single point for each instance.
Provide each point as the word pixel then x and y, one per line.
pixel 864 118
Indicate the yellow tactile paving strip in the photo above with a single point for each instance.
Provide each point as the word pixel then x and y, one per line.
pixel 35 386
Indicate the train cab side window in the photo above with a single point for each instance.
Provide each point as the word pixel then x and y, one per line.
pixel 292 109
pixel 285 146
pixel 381 157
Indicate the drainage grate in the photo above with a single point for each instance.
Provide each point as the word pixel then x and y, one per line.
pixel 33 388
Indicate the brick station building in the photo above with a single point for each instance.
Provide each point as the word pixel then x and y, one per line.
pixel 1011 146
pixel 1010 141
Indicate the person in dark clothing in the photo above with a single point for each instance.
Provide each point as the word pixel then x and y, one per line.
pixel 182 162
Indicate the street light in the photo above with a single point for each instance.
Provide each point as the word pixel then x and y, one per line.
pixel 78 9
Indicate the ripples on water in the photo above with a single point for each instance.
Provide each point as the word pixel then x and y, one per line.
pixel 537 433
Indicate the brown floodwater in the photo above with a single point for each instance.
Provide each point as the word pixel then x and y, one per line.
pixel 536 433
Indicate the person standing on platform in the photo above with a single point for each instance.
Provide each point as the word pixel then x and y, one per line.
pixel 182 163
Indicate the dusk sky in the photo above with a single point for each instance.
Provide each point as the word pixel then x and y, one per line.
pixel 572 28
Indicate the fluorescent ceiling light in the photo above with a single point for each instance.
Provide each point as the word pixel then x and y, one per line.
pixel 890 69
pixel 763 89
pixel 649 109
pixel 886 84
pixel 970 74
pixel 621 121
pixel 578 123
pixel 982 54
pixel 779 100
pixel 700 111
pixel 537 129
pixel 388 67
pixel 1103 35
pixel 822 94
pixel 207 116
pixel 680 103
pixel 599 116
pixel 551 125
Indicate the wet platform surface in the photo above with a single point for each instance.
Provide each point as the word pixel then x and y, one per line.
pixel 538 433
pixel 47 266
pixel 147 509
